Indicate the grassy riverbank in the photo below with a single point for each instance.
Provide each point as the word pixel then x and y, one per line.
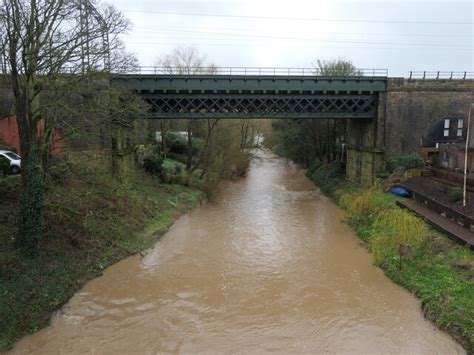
pixel 439 271
pixel 92 221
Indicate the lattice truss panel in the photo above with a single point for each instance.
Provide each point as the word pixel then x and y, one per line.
pixel 239 105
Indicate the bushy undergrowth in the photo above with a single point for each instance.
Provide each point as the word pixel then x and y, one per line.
pixel 4 166
pixel 362 205
pixel 153 165
pixel 405 162
pixel 439 271
pixel 327 177
pixel 396 231
pixel 455 194
pixel 91 221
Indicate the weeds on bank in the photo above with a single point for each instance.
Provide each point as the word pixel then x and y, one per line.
pixel 439 271
pixel 91 221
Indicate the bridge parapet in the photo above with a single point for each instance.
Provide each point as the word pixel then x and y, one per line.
pixel 247 71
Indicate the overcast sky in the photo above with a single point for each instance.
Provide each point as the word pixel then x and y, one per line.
pixel 398 35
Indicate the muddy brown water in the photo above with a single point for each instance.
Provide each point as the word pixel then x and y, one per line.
pixel 271 267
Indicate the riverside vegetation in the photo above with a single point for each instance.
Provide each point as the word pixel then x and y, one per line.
pixel 93 219
pixel 437 270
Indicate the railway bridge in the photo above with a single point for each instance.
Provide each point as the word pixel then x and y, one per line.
pixel 273 93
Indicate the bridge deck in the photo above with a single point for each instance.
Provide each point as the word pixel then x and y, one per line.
pixel 241 84
pixel 254 96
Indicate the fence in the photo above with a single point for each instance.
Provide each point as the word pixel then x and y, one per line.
pixel 464 75
pixel 251 71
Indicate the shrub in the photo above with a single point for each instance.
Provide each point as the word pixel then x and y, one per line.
pixel 396 231
pixel 178 157
pixel 315 165
pixel 173 167
pixel 364 203
pixel 4 166
pixel 405 162
pixel 328 177
pixel 455 194
pixel 154 165
pixel 176 143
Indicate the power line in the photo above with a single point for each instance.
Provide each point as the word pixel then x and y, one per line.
pixel 273 18
pixel 290 46
pixel 257 37
pixel 195 29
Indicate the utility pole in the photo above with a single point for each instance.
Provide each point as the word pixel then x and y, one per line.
pixel 464 194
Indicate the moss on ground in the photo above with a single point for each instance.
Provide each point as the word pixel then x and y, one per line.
pixel 91 222
pixel 440 272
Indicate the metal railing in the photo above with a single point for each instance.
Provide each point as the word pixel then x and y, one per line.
pixel 251 71
pixel 464 75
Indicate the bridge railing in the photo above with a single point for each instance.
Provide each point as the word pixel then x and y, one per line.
pixel 250 71
pixel 465 75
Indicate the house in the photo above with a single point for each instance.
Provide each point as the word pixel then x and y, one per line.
pixel 444 144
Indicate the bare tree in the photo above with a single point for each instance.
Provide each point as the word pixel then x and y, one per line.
pixel 335 129
pixel 184 60
pixel 43 43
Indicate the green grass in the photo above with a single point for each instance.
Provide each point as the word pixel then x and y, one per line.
pixel 174 167
pixel 441 275
pixel 92 221
pixel 440 272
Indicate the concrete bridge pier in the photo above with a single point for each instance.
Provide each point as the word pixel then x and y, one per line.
pixel 366 145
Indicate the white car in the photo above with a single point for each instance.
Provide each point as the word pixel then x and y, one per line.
pixel 14 159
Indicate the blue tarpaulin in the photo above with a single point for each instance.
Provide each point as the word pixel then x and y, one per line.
pixel 399 191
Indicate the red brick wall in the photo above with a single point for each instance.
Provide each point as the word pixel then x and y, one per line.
pixel 9 135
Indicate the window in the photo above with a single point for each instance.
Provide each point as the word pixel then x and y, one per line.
pixel 460 125
pixel 446 133
pixel 446 123
pixel 12 155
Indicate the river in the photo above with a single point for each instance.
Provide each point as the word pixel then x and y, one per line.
pixel 270 267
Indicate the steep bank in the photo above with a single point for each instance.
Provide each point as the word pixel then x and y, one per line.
pixel 440 272
pixel 92 221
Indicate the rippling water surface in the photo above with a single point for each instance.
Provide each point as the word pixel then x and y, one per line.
pixel 269 268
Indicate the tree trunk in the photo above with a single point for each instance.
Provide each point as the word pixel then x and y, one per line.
pixel 189 153
pixel 163 138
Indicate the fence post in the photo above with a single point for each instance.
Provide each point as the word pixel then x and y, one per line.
pixel 451 75
pixel 464 77
pixel 437 75
pixel 410 74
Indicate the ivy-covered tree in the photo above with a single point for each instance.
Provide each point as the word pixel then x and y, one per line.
pixel 44 44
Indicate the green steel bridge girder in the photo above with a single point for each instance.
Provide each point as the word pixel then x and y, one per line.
pixel 219 96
